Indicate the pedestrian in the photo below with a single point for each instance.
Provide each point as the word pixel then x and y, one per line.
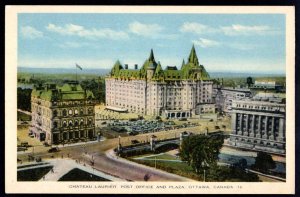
pixel 62 156
pixel 43 177
pixel 52 170
pixel 68 155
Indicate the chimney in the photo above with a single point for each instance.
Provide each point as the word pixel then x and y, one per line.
pixel 126 66
pixel 135 66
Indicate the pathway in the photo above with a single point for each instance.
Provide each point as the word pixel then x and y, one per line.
pixel 63 166
pixel 129 170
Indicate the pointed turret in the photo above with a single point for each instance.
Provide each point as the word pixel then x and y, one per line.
pixel 158 69
pixel 182 65
pixel 116 68
pixel 151 57
pixel 193 57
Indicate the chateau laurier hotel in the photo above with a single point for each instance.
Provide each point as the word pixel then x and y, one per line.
pixel 154 91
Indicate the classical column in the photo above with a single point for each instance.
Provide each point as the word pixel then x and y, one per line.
pixel 272 137
pixel 241 124
pixel 266 128
pixel 247 127
pixel 233 122
pixel 281 130
pixel 252 133
pixel 258 134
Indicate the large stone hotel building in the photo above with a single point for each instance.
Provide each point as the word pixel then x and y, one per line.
pixel 62 114
pixel 154 91
pixel 259 124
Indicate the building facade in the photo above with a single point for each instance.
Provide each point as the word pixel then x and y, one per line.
pixel 259 124
pixel 223 97
pixel 154 91
pixel 62 114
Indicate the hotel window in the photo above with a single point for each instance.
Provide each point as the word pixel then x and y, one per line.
pixel 54 113
pixel 64 112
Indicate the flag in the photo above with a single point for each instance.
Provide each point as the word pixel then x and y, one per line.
pixel 78 66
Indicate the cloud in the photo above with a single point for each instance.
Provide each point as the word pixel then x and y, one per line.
pixel 149 30
pixel 236 29
pixel 74 44
pixel 30 32
pixel 197 28
pixel 205 43
pixel 77 30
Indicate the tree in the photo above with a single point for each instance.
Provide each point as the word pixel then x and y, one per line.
pixel 201 151
pixel 264 162
pixel 24 99
pixel 249 81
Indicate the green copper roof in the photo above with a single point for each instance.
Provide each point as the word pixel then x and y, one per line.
pixel 69 91
pixel 191 70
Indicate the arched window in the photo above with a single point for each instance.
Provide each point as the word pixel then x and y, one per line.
pixel 76 123
pixel 76 111
pixel 64 123
pixel 64 112
pixel 90 122
pixel 70 123
pixel 81 111
pixel 54 124
pixel 54 113
pixel 90 110
pixel 70 111
pixel 81 122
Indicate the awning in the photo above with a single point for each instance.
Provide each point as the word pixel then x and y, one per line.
pixel 116 109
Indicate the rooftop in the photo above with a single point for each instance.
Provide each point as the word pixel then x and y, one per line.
pixel 191 70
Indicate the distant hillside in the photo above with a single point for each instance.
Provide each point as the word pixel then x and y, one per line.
pixel 242 75
pixel 63 71
pixel 102 71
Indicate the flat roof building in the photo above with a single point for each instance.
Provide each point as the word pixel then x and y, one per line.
pixel 259 124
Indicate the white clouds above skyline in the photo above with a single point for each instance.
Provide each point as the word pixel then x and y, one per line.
pixel 98 40
pixel 232 30
pixel 149 30
pixel 197 28
pixel 30 32
pixel 205 43
pixel 236 29
pixel 77 30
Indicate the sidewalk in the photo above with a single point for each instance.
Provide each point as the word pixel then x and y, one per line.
pixel 63 166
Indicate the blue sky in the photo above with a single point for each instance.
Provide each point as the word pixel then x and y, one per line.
pixel 224 42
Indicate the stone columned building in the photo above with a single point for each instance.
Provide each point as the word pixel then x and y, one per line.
pixel 259 124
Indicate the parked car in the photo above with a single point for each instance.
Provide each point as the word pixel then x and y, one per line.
pixel 53 150
pixel 134 142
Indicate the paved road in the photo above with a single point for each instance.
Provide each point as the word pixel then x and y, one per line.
pixel 132 171
pixel 106 161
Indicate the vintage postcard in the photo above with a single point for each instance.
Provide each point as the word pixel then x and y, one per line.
pixel 144 99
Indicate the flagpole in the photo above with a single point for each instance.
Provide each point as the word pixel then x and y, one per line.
pixel 76 74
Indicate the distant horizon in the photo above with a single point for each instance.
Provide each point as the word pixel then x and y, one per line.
pixel 73 70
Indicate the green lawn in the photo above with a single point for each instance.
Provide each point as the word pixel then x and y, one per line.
pixel 163 156
pixel 216 174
